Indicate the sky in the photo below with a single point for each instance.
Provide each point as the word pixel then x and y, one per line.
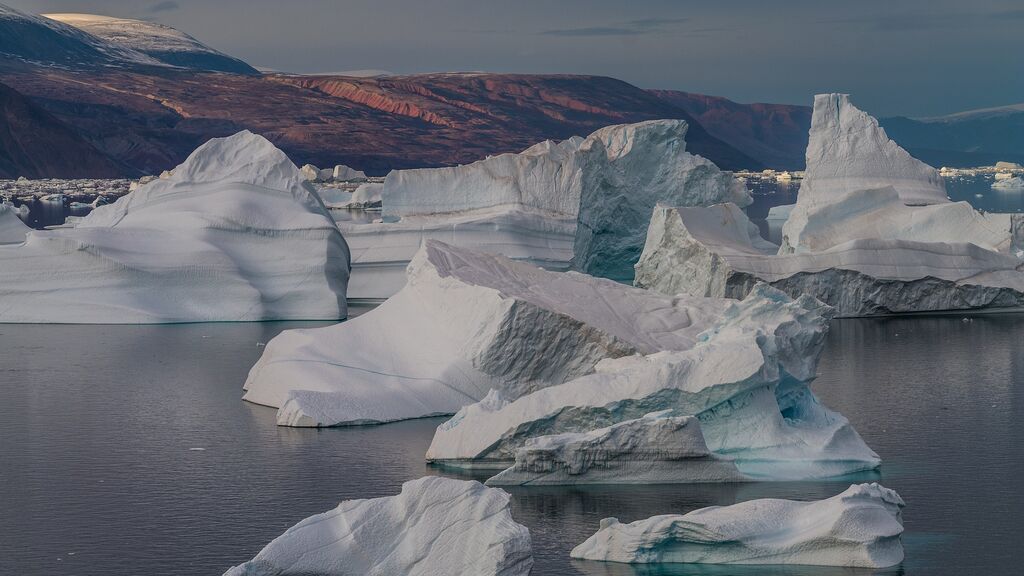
pixel 895 57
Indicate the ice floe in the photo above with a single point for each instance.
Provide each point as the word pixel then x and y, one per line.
pixel 434 527
pixel 233 234
pixel 859 528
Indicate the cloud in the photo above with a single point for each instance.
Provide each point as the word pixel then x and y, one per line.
pixel 631 28
pixel 165 6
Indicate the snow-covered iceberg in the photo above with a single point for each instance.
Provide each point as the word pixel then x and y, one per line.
pixel 1014 184
pixel 581 203
pixel 859 528
pixel 745 381
pixel 12 228
pixel 655 449
pixel 466 323
pixel 233 234
pixel 344 173
pixel 871 233
pixel 435 527
pixel 716 251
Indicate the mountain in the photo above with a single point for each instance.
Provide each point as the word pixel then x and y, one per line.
pixel 971 138
pixel 163 43
pixel 41 41
pixel 774 134
pixel 35 144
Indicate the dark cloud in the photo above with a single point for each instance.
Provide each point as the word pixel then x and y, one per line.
pixel 165 6
pixel 631 28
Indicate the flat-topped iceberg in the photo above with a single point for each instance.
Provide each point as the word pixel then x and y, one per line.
pixel 716 251
pixel 582 203
pixel 435 527
pixel 859 528
pixel 654 449
pixel 234 234
pixel 466 323
pixel 12 228
pixel 871 233
pixel 745 381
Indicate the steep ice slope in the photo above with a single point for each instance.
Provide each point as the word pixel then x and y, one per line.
pixel 435 527
pixel 745 381
pixel 859 528
pixel 466 323
pixel 12 229
pixel 580 202
pixel 716 251
pixel 233 234
pixel 157 41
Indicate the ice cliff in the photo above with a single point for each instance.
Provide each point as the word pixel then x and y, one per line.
pixel 233 234
pixel 12 229
pixel 466 323
pixel 434 527
pixel 582 203
pixel 859 528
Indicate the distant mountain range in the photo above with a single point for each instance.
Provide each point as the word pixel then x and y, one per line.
pixel 141 96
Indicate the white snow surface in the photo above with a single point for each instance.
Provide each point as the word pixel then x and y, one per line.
pixel 860 527
pixel 342 172
pixel 583 202
pixel 716 251
pixel 847 153
pixel 12 229
pixel 434 527
pixel 233 234
pixel 140 35
pixel 465 323
pixel 744 380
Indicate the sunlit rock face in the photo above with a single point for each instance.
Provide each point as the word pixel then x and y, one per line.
pixel 582 203
pixel 859 528
pixel 234 234
pixel 434 527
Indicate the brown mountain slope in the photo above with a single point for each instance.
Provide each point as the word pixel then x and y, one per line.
pixel 35 144
pixel 150 121
pixel 774 134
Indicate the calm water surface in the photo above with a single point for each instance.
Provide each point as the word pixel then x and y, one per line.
pixel 126 450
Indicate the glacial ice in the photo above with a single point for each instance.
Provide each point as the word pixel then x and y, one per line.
pixel 745 381
pixel 716 251
pixel 233 234
pixel 367 195
pixel 654 449
pixel 344 173
pixel 1015 183
pixel 871 233
pixel 860 527
pixel 434 527
pixel 12 229
pixel 465 323
pixel 583 202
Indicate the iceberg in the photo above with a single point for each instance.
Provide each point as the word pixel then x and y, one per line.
pixel 466 323
pixel 860 527
pixel 367 195
pixel 233 234
pixel 871 233
pixel 344 173
pixel 717 252
pixel 434 527
pixel 1015 183
pixel 12 229
pixel 745 381
pixel 654 449
pixel 582 203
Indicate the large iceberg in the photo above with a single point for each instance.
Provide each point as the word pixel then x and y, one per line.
pixel 745 381
pixel 435 527
pixel 12 228
pixel 859 528
pixel 234 234
pixel 871 233
pixel 582 203
pixel 466 323
pixel 716 251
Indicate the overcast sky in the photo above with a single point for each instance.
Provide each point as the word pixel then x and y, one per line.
pixel 907 57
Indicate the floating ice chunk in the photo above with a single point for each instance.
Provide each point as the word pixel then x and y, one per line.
pixel 859 528
pixel 466 323
pixel 344 173
pixel 716 251
pixel 233 234
pixel 435 527
pixel 655 449
pixel 367 195
pixel 1015 183
pixel 12 229
pixel 310 173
